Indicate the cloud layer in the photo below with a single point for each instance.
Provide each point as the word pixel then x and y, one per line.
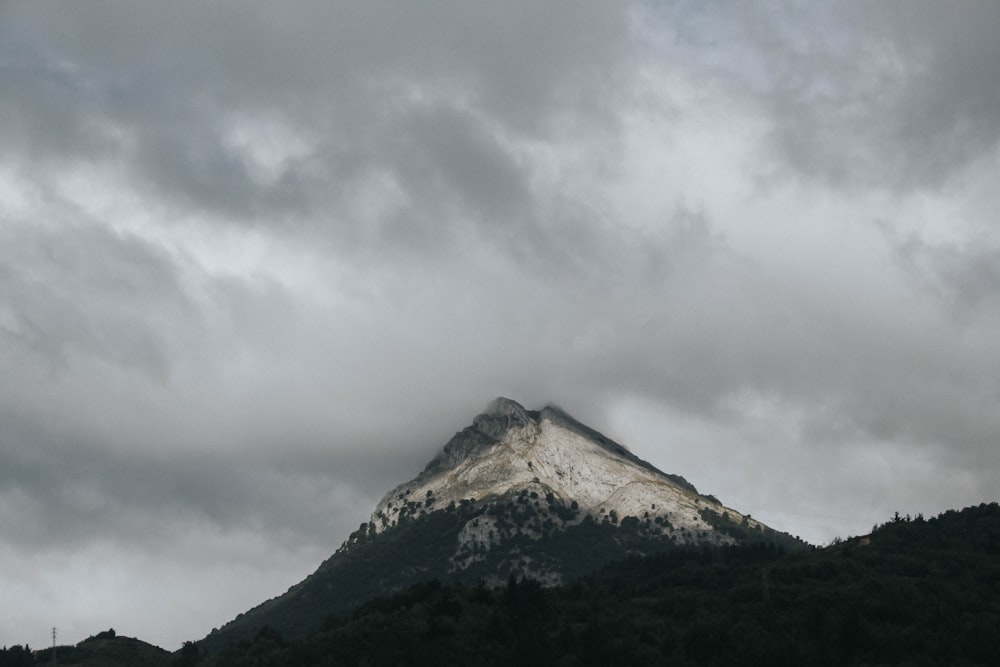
pixel 257 265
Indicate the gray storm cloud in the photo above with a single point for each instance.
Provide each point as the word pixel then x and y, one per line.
pixel 258 263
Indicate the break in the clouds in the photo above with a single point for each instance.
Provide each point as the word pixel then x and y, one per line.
pixel 258 262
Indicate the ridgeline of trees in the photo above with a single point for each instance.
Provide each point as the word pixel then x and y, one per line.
pixel 105 649
pixel 17 656
pixel 534 534
pixel 915 592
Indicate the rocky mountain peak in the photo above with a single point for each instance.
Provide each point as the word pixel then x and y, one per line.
pixel 502 406
pixel 524 493
pixel 502 415
pixel 509 451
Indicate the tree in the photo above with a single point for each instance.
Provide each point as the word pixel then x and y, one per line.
pixel 16 656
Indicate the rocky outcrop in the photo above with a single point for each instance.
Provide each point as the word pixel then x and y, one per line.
pixel 509 450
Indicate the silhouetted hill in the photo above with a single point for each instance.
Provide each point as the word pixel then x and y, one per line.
pixel 915 592
pixel 102 650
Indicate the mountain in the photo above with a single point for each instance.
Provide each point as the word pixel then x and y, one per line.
pixel 517 494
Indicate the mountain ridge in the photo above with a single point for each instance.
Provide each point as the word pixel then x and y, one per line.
pixel 508 448
pixel 518 493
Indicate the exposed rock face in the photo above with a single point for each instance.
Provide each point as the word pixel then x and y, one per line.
pixel 501 416
pixel 518 493
pixel 509 449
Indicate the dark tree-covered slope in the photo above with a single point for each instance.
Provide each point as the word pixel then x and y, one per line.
pixel 915 592
pixel 421 549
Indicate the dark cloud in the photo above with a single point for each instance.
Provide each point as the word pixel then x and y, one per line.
pixel 449 156
pixel 75 287
pixel 947 113
pixel 966 278
pixel 902 95
pixel 163 89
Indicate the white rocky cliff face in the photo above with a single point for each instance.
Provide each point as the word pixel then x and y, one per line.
pixel 547 456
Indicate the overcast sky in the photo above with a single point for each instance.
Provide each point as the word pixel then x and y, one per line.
pixel 259 261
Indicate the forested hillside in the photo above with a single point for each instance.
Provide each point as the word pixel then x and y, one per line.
pixel 916 591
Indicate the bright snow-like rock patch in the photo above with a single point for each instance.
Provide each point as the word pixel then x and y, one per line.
pixel 509 449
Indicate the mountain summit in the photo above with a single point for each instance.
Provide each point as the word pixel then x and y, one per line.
pixel 522 493
pixel 509 450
